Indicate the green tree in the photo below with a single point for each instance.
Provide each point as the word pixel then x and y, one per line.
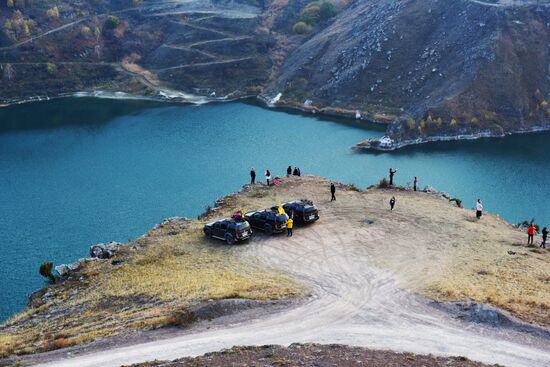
pixel 97 33
pixel 300 28
pixel 327 10
pixel 311 14
pixel 85 31
pixel 53 12
pixel 112 22
pixel 51 68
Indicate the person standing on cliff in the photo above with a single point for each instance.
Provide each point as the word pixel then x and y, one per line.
pixel 252 176
pixel 392 203
pixel 289 171
pixel 415 181
pixel 332 192
pixel 544 236
pixel 392 172
pixel 479 209
pixel 267 176
pixel 531 233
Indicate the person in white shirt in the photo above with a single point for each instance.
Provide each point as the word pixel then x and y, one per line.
pixel 479 209
pixel 267 176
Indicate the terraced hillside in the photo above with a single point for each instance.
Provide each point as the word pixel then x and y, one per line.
pixel 174 47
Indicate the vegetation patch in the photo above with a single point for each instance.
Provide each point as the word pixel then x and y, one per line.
pixel 167 271
pixel 314 13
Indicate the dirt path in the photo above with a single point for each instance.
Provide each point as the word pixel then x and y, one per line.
pixel 353 302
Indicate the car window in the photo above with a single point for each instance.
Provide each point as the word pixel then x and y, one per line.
pixel 242 225
pixel 223 226
pixel 217 225
pixel 282 218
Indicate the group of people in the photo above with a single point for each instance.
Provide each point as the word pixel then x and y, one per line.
pixel 295 172
pixel 268 179
pixel 532 231
pixel 394 171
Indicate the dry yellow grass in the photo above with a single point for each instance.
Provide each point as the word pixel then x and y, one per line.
pixel 172 269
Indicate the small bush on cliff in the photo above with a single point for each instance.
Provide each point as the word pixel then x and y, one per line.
pixel 46 271
pixel 383 184
pixel 457 201
pixel 300 28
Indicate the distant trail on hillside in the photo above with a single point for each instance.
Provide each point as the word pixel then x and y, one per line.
pixel 68 25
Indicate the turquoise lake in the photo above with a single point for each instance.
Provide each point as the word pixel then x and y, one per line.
pixel 74 172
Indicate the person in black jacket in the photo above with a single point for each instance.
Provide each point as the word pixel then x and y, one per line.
pixel 392 173
pixel 252 176
pixel 544 237
pixel 392 203
pixel 332 192
pixel 289 171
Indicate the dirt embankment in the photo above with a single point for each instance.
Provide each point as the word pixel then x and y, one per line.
pixel 312 355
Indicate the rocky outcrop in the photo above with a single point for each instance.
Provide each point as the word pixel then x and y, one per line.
pixel 105 251
pixel 67 269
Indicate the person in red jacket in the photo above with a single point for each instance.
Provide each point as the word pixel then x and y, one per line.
pixel 531 233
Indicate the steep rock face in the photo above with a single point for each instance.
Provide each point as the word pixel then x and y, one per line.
pixel 435 66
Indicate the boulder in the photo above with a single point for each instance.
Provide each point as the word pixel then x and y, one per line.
pixel 65 269
pixel 430 189
pixel 104 251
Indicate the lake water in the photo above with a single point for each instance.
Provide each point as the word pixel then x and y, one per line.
pixel 74 172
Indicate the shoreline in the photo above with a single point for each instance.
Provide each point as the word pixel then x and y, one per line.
pixel 386 144
pixel 381 144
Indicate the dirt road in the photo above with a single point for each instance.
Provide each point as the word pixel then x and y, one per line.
pixel 353 301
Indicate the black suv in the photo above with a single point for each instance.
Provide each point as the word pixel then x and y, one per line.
pixel 228 230
pixel 302 211
pixel 267 220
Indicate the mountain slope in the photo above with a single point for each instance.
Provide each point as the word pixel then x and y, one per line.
pixel 435 67
pixel 430 69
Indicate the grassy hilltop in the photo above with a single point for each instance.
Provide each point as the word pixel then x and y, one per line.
pixel 431 246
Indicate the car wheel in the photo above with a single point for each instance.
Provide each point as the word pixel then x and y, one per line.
pixel 229 239
pixel 208 233
pixel 268 229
